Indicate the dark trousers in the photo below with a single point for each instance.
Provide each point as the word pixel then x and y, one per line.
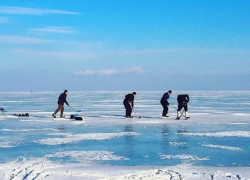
pixel 60 107
pixel 165 108
pixel 128 109
pixel 180 106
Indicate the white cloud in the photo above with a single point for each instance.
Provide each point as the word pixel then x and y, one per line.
pixel 62 55
pixel 21 40
pixel 134 69
pixel 53 29
pixel 32 11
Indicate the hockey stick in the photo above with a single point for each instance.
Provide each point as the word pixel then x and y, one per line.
pixel 75 109
pixel 134 111
pixel 173 106
pixel 177 110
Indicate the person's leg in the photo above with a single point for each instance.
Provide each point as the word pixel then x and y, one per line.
pixel 130 111
pixel 58 109
pixel 164 110
pixel 127 107
pixel 62 109
pixel 185 107
pixel 180 106
pixel 186 111
pixel 178 111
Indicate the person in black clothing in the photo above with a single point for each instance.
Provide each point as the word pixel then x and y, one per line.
pixel 61 101
pixel 182 100
pixel 165 104
pixel 129 104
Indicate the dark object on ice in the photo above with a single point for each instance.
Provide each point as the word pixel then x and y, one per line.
pixel 22 115
pixel 76 117
pixel 2 111
pixel 73 116
pixel 79 118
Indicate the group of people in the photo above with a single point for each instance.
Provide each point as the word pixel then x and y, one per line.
pixel 128 102
pixel 182 100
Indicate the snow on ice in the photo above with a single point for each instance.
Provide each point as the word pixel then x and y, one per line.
pixel 213 145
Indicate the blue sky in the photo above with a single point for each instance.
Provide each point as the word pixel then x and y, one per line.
pixel 124 45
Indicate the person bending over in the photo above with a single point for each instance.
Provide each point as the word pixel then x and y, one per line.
pixel 129 104
pixel 182 100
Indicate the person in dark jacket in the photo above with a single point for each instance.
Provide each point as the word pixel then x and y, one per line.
pixel 129 104
pixel 165 104
pixel 61 101
pixel 182 100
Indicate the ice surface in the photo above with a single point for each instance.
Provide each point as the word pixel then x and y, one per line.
pixel 221 134
pixel 213 144
pixel 223 147
pixel 70 138
pixel 83 156
pixel 183 157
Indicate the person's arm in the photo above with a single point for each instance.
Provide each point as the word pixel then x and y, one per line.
pixel 126 98
pixel 131 100
pixel 167 96
pixel 187 98
pixel 65 100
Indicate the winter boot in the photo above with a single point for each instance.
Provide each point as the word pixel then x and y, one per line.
pixel 129 117
pixel 165 117
pixel 186 115
pixel 178 115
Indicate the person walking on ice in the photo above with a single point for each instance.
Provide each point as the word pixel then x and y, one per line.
pixel 129 104
pixel 182 100
pixel 61 101
pixel 165 104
